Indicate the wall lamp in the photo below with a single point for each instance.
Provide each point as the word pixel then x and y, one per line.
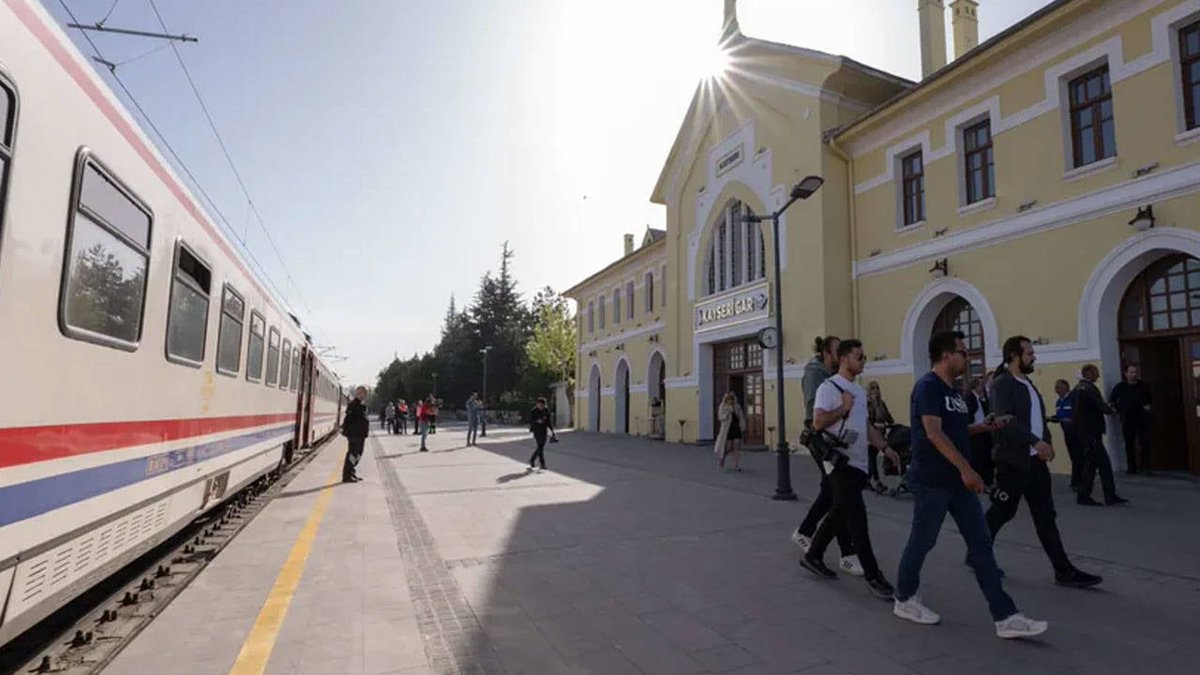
pixel 940 268
pixel 1144 219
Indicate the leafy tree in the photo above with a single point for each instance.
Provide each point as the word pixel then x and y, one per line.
pixel 552 347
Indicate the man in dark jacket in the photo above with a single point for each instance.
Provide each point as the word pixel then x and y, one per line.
pixel 541 426
pixel 1131 398
pixel 1021 449
pixel 355 427
pixel 1088 414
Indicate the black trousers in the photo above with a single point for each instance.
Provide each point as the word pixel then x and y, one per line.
pixel 540 454
pixel 1076 450
pixel 981 458
pixel 353 454
pixel 1095 458
pixel 1136 429
pixel 847 514
pixel 1032 483
pixel 402 423
pixel 820 507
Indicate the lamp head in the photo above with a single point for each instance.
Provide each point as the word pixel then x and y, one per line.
pixel 805 188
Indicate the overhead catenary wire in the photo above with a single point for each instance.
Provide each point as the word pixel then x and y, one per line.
pixel 229 158
pixel 208 200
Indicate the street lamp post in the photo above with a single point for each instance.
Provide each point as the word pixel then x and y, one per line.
pixel 433 427
pixel 783 464
pixel 483 401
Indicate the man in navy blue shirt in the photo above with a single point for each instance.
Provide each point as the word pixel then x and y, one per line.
pixel 942 482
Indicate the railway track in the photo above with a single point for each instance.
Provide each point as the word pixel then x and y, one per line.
pixel 86 635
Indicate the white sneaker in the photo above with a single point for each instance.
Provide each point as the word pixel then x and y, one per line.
pixel 913 610
pixel 1020 626
pixel 802 541
pixel 851 565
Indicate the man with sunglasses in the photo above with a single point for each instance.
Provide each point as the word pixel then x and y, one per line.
pixel 942 482
pixel 840 409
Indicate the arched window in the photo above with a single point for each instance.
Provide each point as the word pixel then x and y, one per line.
pixel 735 251
pixel 1163 299
pixel 959 315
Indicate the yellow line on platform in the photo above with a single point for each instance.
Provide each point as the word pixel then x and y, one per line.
pixel 260 642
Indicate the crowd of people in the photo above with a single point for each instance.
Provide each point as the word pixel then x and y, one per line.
pixel 967 436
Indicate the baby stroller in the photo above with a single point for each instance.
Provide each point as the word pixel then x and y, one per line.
pixel 899 437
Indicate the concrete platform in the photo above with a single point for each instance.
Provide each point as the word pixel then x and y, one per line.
pixel 631 556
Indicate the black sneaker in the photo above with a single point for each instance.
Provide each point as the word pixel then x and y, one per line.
pixel 1077 578
pixel 880 588
pixel 1115 500
pixel 1087 501
pixel 817 567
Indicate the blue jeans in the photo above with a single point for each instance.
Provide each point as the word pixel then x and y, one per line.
pixel 472 430
pixel 424 431
pixel 930 506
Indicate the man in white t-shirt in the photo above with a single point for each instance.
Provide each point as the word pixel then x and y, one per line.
pixel 840 409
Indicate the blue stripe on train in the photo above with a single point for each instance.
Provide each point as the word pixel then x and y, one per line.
pixel 33 498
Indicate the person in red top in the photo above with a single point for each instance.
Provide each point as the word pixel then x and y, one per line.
pixel 423 411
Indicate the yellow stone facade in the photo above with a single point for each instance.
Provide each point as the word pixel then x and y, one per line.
pixel 1048 251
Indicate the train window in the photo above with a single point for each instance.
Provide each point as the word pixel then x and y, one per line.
pixel 187 316
pixel 8 124
pixel 286 365
pixel 254 351
pixel 273 357
pixel 229 338
pixel 295 369
pixel 108 252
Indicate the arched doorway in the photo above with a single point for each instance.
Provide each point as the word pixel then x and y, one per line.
pixel 594 399
pixel 656 380
pixel 621 396
pixel 959 315
pixel 1158 326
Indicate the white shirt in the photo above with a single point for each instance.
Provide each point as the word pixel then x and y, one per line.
pixel 829 398
pixel 1037 417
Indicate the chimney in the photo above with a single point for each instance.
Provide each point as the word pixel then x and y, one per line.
pixel 628 244
pixel 933 36
pixel 965 21
pixel 730 26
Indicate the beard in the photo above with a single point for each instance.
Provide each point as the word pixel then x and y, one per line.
pixel 1026 369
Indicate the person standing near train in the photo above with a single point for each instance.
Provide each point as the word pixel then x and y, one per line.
pixel 355 427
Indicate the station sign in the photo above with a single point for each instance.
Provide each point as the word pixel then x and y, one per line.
pixel 733 308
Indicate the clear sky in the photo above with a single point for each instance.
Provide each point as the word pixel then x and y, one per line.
pixel 392 146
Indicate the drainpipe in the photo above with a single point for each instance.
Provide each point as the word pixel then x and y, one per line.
pixel 837 150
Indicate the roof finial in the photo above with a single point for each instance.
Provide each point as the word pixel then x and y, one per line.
pixel 731 26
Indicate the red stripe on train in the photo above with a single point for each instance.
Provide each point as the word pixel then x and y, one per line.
pixel 47 37
pixel 25 445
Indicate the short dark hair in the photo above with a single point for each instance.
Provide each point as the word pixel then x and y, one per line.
pixel 847 346
pixel 1058 382
pixel 1014 347
pixel 823 345
pixel 943 342
pixel 541 399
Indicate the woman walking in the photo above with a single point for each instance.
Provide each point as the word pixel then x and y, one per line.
pixel 880 418
pixel 733 420
pixel 541 426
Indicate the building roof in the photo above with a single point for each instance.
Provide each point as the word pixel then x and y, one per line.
pixel 708 98
pixel 956 66
pixel 656 244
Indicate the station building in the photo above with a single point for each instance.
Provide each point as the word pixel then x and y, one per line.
pixel 1043 183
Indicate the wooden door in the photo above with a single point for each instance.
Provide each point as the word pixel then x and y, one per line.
pixel 1190 351
pixel 753 404
pixel 1161 362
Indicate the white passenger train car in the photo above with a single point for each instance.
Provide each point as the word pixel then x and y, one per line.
pixel 147 373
